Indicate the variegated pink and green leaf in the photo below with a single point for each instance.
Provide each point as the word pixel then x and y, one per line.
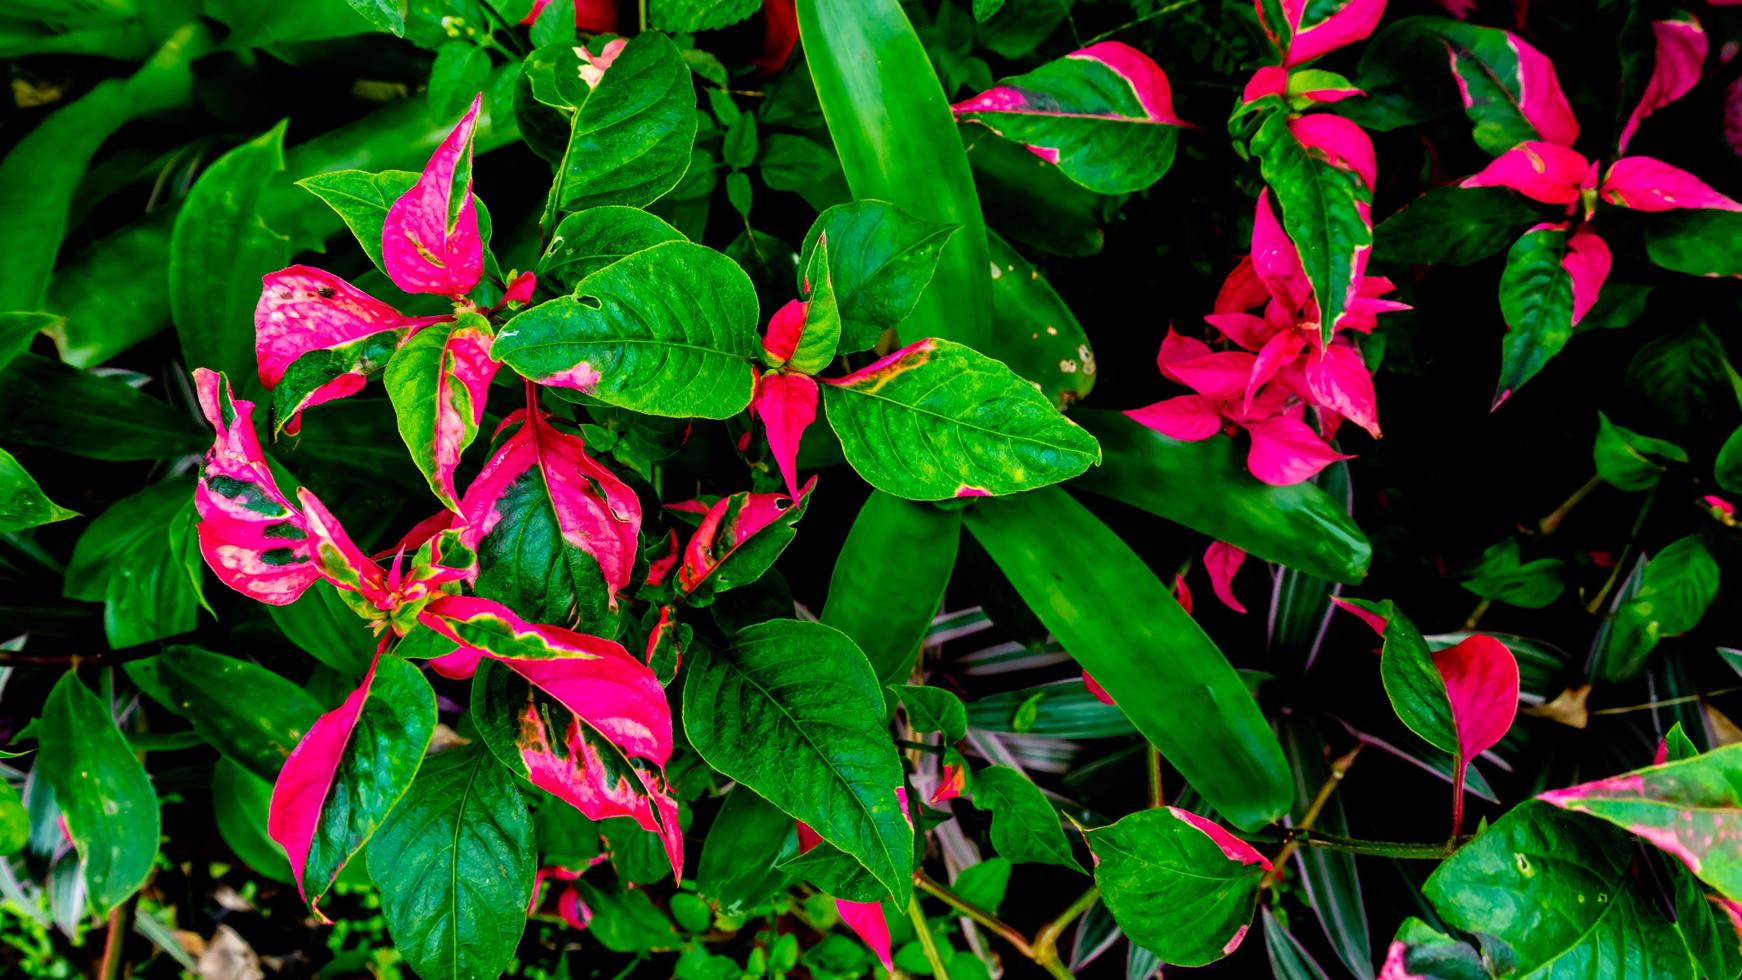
pixel 362 583
pixel 555 530
pixel 1103 114
pixel 1552 279
pixel 438 383
pixel 251 536
pixel 804 335
pixel 1509 89
pixel 738 540
pixel 430 242
pixel 881 261
pixel 348 772
pixel 1678 57
pixel 937 420
pixel 1302 30
pixel 1645 184
pixel 1691 809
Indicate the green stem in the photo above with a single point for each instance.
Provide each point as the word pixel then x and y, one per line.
pixel 986 919
pixel 1146 18
pixel 1046 940
pixel 927 941
pixel 1353 845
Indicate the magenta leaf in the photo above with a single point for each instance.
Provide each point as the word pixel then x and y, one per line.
pixel 1644 184
pixel 1541 171
pixel 1509 89
pixel 1302 30
pixel 250 535
pixel 342 563
pixel 738 540
pixel 430 243
pixel 1676 64
pixel 1222 560
pixel 1188 418
pixel 787 405
pixel 867 922
pixel 1287 451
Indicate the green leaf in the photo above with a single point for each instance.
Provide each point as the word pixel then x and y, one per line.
pixel 105 798
pixel 1536 298
pixel 1432 955
pixel 748 837
pixel 1206 487
pixel 130 558
pixel 1453 226
pixel 1727 467
pixel 94 416
pixel 626 921
pixel 1683 377
pixel 1696 242
pixel 1037 335
pixel 881 259
pixel 1493 83
pixel 669 331
pixel 22 503
pixel 241 802
pixel 1322 211
pixel 388 15
pixel 892 127
pixel 738 149
pixel 243 710
pixel 984 9
pixel 1123 626
pixel 555 26
pixel 1025 827
pixel 1500 576
pixel 630 140
pixel 1172 887
pixel 590 240
pixel 361 200
pixel 1329 876
pixel 793 710
pixel 326 629
pixel 17 330
pixel 454 864
pixel 835 873
pixel 820 338
pixel 461 71
pixel 939 420
pixel 1556 889
pixel 933 709
pixel 1621 456
pixel 14 821
pixel 1288 958
pixel 1678 587
pixel 217 253
pixel 1061 709
pixel 689 16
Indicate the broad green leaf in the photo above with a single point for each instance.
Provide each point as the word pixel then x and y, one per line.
pixel 1727 467
pixel 590 240
pixel 1453 226
pixel 326 629
pixel 1622 456
pixel 738 147
pixel 454 864
pixel 14 821
pixel 892 127
pixel 94 417
pixel 1123 626
pixel 461 70
pixel 1037 335
pixel 217 253
pixel 1703 242
pixel 1025 826
pixel 1323 211
pixel 669 330
pixel 689 16
pixel 240 803
pixel 630 140
pixel 626 921
pixel 1501 576
pixel 1689 808
pixel 1556 888
pixel 1679 585
pixel 933 709
pixel 881 259
pixel 388 15
pixel 262 25
pixel 17 330
pixel 106 800
pixel 252 715
pixel 793 710
pixel 131 560
pixel 22 503
pixel 361 200
pixel 1536 298
pixel 1177 884
pixel 938 420
pixel 1683 378
pixel 748 837
pixel 820 337
pixel 835 873
pixel 889 579
pixel 1205 486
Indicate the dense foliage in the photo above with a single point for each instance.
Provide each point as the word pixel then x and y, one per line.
pixel 679 488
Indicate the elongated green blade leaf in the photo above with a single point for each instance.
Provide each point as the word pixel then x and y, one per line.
pixel 243 710
pixel 105 797
pixel 1124 627
pixel 1037 335
pixel 889 579
pixel 792 710
pixel 1204 486
pixel 95 417
pixel 240 804
pixel 22 503
pixel 454 864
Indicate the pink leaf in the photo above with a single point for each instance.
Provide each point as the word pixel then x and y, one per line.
pixel 596 511
pixel 1188 418
pixel 1676 66
pixel 1243 329
pixel 955 778
pixel 1540 171
pixel 1235 848
pixel 303 309
pixel 1096 689
pixel 1481 679
pixel 1334 25
pixel 598 16
pixel 595 65
pixel 1540 99
pixel 1286 451
pixel 729 524
pixel 1587 263
pixel 1221 376
pixel 250 535
pixel 339 560
pixel 867 922
pixel 1644 184
pixel 1222 560
pixel 1275 259
pixel 787 404
pixel 519 291
pixel 430 243
pixel 1278 352
pixel 1346 145
pixel 462 388
pixel 1338 380
pixel 1374 621
pixel 1266 81
pixel 784 331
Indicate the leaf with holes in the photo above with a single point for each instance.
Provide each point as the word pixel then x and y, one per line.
pixel 590 240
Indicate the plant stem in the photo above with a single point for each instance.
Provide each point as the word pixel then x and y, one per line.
pixel 1626 553
pixel 1377 848
pixel 1046 940
pixel 1153 14
pixel 1552 522
pixel 927 941
pixel 1339 769
pixel 1155 795
pixel 986 919
pixel 120 923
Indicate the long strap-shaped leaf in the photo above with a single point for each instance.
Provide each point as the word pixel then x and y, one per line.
pixel 1113 614
pixel 897 141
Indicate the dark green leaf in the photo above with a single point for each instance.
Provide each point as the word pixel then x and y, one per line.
pixel 933 709
pixel 1622 456
pixel 461 71
pixel 689 16
pixel 1679 585
pixel 1025 827
pixel 95 417
pixel 1502 577
pixel 1727 467
pixel 326 629
pixel 22 503
pixel 1037 335
pixel 1704 242
pixel 748 838
pixel 1453 226
pixel 630 140
pixel 243 710
pixel 131 560
pixel 881 259
pixel 240 804
pixel 1536 297
pixel 590 240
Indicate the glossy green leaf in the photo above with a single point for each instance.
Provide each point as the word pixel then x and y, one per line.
pixel 454 864
pixel 1123 626
pixel 836 873
pixel 461 70
pixel 1683 377
pixel 1025 826
pixel 889 580
pixel 1453 226
pixel 361 199
pixel 895 135
pixel 793 710
pixel 14 821
pixel 217 253
pixel 626 921
pixel 748 837
pixel 1037 335
pixel 1679 585
pixel 1536 298
pixel 95 417
pixel 820 338
pixel 688 16
pixel 388 15
pixel 106 800
pixel 1727 466
pixel 1623 457
pixel 1173 888
pixel 1206 487
pixel 933 709
pixel 881 259
pixel 1500 575
pixel 1027 200
pixel 669 331
pixel 140 562
pixel 1556 888
pixel 630 140
pixel 1704 242
pixel 240 803
pixel 938 420
pixel 243 710
pixel 590 240
pixel 22 503
pixel 17 330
